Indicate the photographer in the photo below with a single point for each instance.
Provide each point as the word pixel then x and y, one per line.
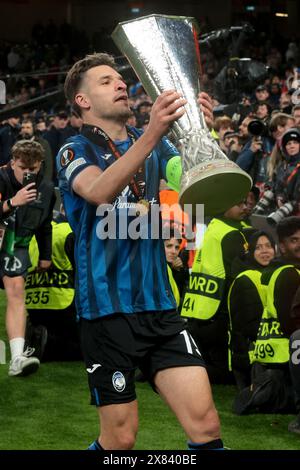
pixel 256 152
pixel 26 206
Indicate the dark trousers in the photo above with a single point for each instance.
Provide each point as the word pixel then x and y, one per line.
pixel 212 340
pixel 63 337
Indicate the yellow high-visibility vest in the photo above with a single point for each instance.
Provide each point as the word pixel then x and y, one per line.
pixel 52 289
pixel 207 279
pixel 271 345
pixel 174 286
pixel 255 277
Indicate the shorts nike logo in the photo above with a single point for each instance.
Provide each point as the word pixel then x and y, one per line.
pixel 93 368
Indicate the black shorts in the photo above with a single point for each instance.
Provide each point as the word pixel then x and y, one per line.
pixel 114 346
pixel 16 264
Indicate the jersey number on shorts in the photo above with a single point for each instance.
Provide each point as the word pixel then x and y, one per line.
pixel 190 342
pixel 15 265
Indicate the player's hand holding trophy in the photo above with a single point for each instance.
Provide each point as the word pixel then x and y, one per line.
pixel 163 51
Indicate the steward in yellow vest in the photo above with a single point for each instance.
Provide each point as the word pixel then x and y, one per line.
pixel 246 301
pixel 272 344
pixel 205 301
pixel 50 299
pixel 222 242
pixel 275 372
pixel 52 289
pixel 245 307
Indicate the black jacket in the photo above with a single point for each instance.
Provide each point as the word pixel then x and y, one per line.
pixel 8 137
pixel 246 309
pixel 34 218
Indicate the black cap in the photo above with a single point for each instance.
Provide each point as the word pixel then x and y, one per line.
pixel 261 88
pixel 290 134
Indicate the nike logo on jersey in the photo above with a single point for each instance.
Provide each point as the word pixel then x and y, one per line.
pixel 93 368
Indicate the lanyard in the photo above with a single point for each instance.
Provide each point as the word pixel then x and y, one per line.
pixel 295 170
pixel 97 135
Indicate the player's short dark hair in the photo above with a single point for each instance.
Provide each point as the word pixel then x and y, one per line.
pixel 76 74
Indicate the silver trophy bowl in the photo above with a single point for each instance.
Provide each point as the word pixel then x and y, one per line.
pixel 163 51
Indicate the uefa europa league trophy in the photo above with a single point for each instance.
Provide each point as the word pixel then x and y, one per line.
pixel 163 51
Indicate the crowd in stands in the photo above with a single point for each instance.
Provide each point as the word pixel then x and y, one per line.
pixel 238 277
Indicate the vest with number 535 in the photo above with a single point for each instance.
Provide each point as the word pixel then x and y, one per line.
pixel 52 289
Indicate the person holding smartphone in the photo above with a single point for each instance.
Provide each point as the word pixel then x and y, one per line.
pixel 26 205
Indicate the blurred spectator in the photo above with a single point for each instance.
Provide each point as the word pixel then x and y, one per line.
pixel 143 112
pixel 57 134
pixel 232 145
pixel 13 59
pixel 279 123
pixel 274 58
pixel 222 125
pixel 27 133
pixel 180 272
pixel 40 126
pixel 292 52
pixel 261 94
pixel 287 180
pixel 251 201
pixel 75 122
pixel 285 103
pixel 132 121
pixel 296 115
pixel 275 93
pixel 263 111
pixel 8 136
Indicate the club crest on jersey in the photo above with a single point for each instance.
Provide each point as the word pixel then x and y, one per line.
pixel 66 157
pixel 118 381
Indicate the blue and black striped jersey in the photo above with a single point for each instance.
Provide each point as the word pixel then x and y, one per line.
pixel 114 272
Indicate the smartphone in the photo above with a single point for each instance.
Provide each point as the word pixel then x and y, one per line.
pixel 28 178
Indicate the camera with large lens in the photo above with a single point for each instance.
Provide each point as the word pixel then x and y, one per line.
pixel 284 211
pixel 264 203
pixel 257 128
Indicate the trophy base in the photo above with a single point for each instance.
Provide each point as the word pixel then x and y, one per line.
pixel 217 185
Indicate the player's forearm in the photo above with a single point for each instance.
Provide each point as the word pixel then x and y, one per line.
pixel 108 185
